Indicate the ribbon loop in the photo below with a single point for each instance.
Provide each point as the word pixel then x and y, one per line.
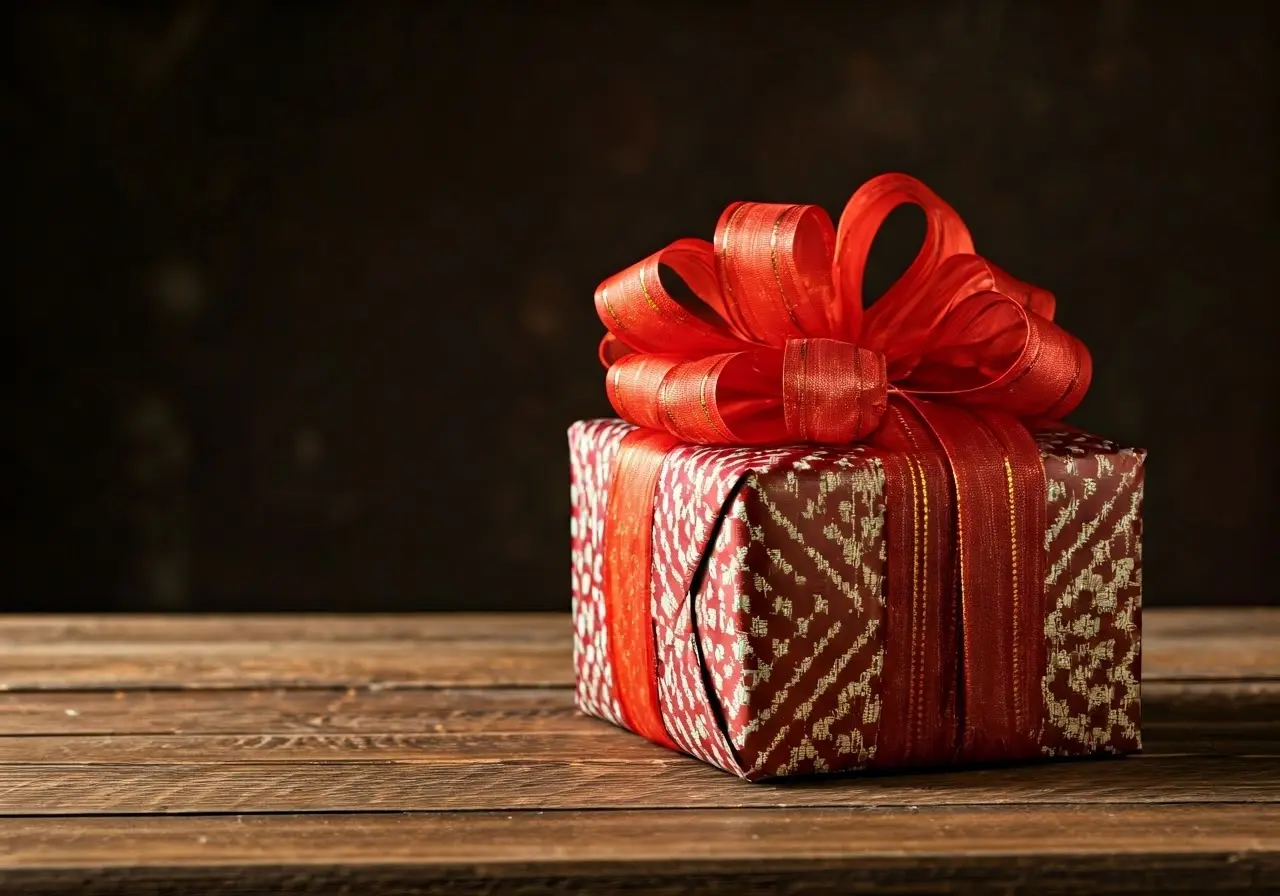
pixel 945 235
pixel 774 264
pixel 640 312
pixel 832 391
pixel 991 351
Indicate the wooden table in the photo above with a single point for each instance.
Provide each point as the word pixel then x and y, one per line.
pixel 384 754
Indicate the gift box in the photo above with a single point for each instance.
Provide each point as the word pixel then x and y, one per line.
pixel 784 657
pixel 825 538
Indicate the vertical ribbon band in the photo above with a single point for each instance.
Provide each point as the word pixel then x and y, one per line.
pixel 999 525
pixel 627 574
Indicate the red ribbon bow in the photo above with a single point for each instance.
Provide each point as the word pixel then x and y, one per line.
pixel 776 347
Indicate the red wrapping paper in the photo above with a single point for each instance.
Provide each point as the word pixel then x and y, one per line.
pixel 783 656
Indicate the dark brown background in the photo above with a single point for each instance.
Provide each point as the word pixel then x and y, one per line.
pixel 302 294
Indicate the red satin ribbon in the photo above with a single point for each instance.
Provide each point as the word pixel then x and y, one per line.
pixel 774 346
pixel 628 561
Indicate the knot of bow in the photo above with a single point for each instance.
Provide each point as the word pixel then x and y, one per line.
pixel 775 345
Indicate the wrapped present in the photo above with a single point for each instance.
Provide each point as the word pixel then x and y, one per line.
pixel 780 649
pixel 822 540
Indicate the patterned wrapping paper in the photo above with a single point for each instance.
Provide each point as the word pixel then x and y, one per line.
pixel 771 662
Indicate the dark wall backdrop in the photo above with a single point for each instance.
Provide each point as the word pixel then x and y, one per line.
pixel 301 294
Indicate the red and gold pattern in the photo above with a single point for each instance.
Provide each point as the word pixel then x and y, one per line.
pixel 772 662
pixel 1093 590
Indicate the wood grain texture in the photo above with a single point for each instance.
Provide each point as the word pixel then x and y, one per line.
pixel 1221 710
pixel 588 738
pixel 293 711
pixel 112 665
pixel 563 737
pixel 1179 625
pixel 1041 848
pixel 1240 642
pixel 579 781
pixel 1210 703
pixel 323 627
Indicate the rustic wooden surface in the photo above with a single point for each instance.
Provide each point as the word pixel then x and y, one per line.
pixel 390 754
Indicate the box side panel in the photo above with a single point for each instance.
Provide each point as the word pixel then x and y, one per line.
pixel 1093 596
pixel 806 625
pixel 593 448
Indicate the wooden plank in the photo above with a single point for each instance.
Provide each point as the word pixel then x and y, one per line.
pixel 1198 623
pixel 583 782
pixel 1219 709
pixel 1245 656
pixel 572 737
pixel 326 627
pixel 232 652
pixel 1039 849
pixel 1210 703
pixel 584 738
pixel 263 664
pixel 492 710
pixel 1178 717
pixel 1210 643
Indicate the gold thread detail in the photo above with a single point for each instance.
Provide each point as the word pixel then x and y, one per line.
pixel 857 391
pixel 1075 379
pixel 617 391
pixel 773 260
pixel 964 627
pixel 912 708
pixel 666 407
pixel 1013 542
pixel 644 287
pixel 924 584
pixel 702 399
pixel 800 389
pixel 608 306
pixel 902 421
pixel 723 258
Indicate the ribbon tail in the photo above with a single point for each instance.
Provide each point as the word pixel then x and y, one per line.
pixel 627 577
pixel 918 717
pixel 1000 501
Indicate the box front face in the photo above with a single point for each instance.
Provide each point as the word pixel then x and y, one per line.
pixel 794 635
pixel 768 600
pixel 708 616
